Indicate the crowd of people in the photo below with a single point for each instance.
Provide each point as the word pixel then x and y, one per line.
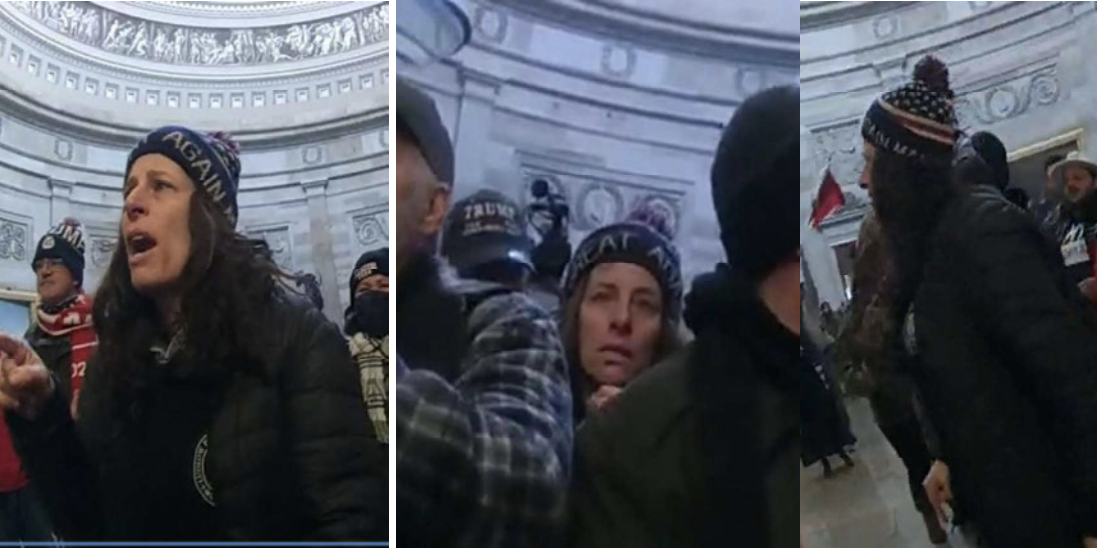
pixel 545 396
pixel 620 409
pixel 972 328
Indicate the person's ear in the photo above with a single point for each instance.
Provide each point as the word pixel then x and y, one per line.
pixel 436 210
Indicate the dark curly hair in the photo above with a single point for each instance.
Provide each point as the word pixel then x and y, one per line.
pixel 228 282
pixel 909 196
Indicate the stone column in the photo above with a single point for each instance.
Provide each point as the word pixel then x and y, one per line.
pixel 473 129
pixel 60 200
pixel 323 253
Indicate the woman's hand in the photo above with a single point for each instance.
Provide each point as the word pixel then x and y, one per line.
pixel 938 485
pixel 25 383
pixel 603 397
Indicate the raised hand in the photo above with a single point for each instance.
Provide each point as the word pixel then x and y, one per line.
pixel 25 383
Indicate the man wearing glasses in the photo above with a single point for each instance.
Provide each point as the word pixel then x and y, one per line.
pixel 62 334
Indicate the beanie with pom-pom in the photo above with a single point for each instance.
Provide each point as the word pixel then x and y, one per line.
pixel 65 243
pixel 212 161
pixel 643 239
pixel 916 120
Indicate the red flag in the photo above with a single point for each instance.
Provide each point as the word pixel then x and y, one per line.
pixel 829 199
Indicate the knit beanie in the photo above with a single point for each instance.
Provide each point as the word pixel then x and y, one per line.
pixel 755 182
pixel 212 161
pixel 993 152
pixel 369 264
pixel 64 242
pixel 916 120
pixel 643 239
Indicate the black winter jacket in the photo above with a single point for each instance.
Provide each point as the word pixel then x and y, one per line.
pixel 1009 374
pixel 56 354
pixel 291 455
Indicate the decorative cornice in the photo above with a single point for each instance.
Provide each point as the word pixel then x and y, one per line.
pixel 233 9
pixel 109 32
pixel 817 15
pixel 664 33
pixel 238 80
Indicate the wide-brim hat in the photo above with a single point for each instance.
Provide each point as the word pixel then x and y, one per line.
pixel 1074 159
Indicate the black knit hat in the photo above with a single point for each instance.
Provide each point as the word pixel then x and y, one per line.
pixel 641 240
pixel 417 115
pixel 755 181
pixel 916 120
pixel 486 227
pixel 369 264
pixel 212 161
pixel 991 153
pixel 64 242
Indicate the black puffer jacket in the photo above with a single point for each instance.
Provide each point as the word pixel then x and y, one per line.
pixel 1009 373
pixel 292 455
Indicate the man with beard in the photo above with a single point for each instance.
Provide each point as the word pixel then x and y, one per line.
pixel 1004 346
pixel 1077 239
pixel 702 449
pixel 483 406
pixel 367 325
pixel 1046 211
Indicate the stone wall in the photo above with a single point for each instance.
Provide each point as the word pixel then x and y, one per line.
pixel 614 108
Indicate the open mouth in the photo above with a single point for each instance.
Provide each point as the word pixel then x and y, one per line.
pixel 139 244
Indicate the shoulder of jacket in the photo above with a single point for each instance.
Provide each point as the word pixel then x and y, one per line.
pixel 475 292
pixel 291 320
pixel 498 304
pixel 989 208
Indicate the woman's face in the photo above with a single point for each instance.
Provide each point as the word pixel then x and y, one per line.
pixel 620 322
pixel 155 223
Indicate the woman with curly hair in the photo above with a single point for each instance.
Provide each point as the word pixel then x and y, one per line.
pixel 218 406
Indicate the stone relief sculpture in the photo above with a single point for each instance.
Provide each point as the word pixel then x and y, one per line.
pixel 102 248
pixel 121 34
pixel 599 205
pixel 840 148
pixel 1008 99
pixel 13 240
pixel 371 229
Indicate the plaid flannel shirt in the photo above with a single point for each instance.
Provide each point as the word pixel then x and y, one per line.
pixel 484 461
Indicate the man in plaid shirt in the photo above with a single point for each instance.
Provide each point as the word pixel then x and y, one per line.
pixel 483 406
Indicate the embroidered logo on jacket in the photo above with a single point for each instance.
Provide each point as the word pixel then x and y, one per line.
pixel 201 478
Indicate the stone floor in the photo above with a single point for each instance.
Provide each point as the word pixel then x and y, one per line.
pixel 868 505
